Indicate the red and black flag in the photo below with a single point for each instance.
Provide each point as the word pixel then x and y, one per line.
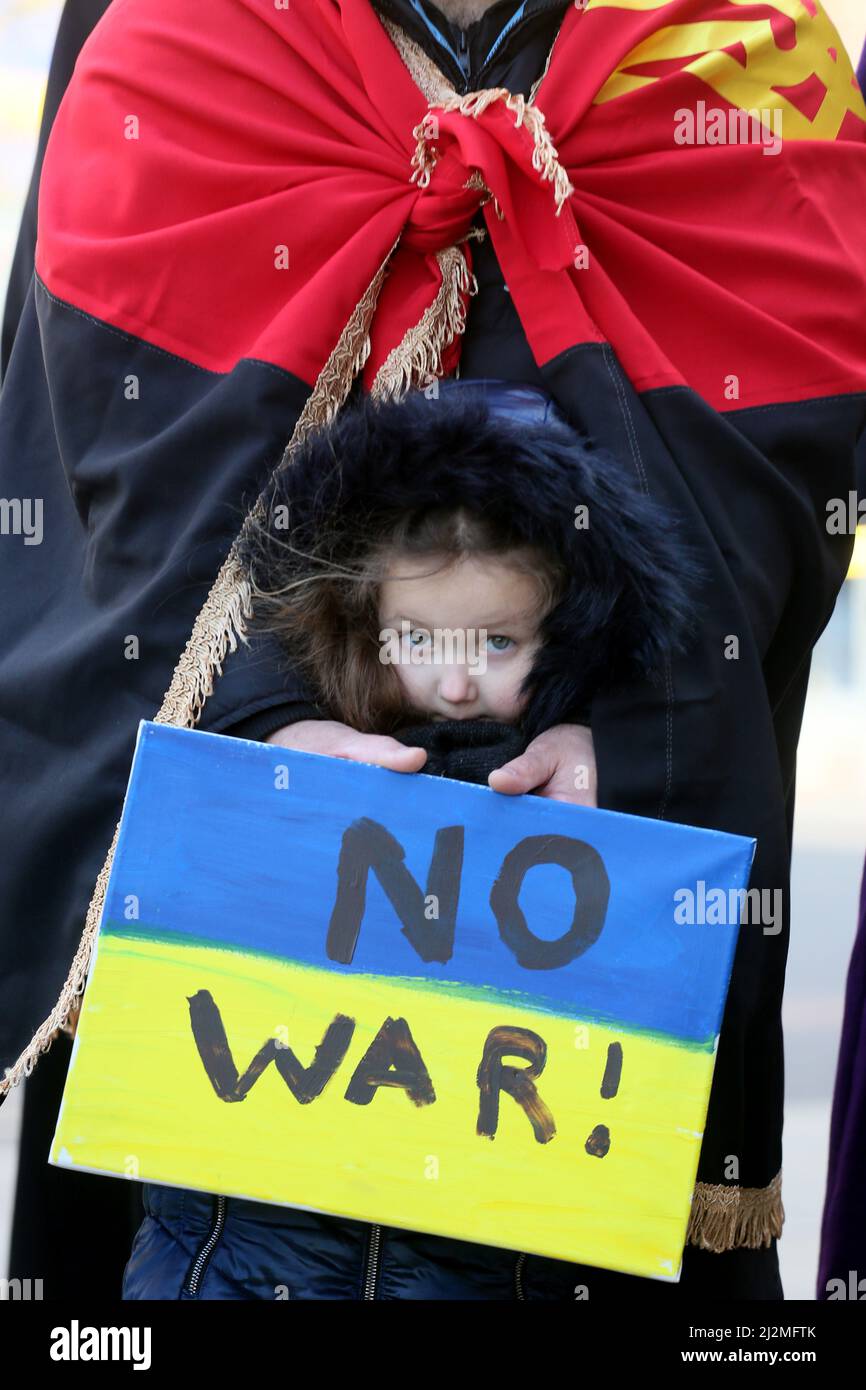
pixel 247 212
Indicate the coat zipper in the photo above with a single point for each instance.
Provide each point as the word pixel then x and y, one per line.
pixel 202 1259
pixel 372 1269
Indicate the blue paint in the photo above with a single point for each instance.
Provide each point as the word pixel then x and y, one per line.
pixel 211 848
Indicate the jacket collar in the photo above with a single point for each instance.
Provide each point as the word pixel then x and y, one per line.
pixel 466 56
pixel 468 749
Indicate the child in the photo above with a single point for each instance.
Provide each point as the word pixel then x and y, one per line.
pixel 462 573
pixel 488 477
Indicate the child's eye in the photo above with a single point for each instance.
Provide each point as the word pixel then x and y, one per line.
pixel 500 638
pixel 417 637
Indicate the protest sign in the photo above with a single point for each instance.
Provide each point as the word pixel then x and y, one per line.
pixel 404 999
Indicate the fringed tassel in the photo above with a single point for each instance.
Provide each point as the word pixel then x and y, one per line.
pixel 727 1217
pixel 545 156
pixel 417 360
pixel 218 628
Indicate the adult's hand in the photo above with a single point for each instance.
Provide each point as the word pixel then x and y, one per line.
pixel 560 763
pixel 341 741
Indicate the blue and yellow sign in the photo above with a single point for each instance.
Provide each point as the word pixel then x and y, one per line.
pixel 404 999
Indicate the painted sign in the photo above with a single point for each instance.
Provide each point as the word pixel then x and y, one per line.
pixel 404 999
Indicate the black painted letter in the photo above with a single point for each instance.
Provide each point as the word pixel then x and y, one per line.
pixel 517 1082
pixel 368 845
pixel 305 1083
pixel 392 1059
pixel 591 890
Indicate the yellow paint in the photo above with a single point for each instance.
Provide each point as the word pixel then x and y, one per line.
pixel 138 1101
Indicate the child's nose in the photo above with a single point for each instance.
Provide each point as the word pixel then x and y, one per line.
pixel 456 685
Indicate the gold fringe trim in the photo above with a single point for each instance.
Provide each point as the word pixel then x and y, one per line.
pixel 417 360
pixel 728 1217
pixel 423 71
pixel 476 181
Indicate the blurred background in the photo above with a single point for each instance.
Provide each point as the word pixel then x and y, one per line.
pixel 830 830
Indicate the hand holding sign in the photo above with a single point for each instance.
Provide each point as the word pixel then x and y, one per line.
pixel 560 763
pixel 338 740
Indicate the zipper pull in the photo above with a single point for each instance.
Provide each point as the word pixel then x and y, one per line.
pixel 464 53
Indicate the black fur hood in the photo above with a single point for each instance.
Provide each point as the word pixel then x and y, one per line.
pixel 503 448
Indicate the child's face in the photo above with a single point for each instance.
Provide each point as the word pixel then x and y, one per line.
pixel 461 639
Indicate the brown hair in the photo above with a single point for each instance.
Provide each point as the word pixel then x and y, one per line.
pixel 326 615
